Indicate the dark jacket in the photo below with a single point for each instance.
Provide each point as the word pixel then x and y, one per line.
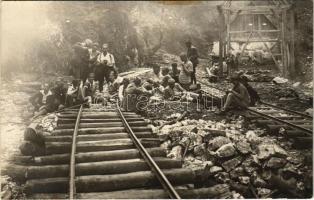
pixel 192 55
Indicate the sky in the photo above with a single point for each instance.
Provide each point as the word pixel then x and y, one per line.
pixel 21 25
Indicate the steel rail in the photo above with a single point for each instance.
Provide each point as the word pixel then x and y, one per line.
pixel 306 131
pixel 154 167
pixel 287 110
pixel 72 189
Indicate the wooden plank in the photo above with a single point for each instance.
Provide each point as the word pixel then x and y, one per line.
pixel 283 39
pixel 256 8
pixel 292 44
pixel 259 22
pixel 255 40
pixel 228 32
pixel 221 32
pixel 255 31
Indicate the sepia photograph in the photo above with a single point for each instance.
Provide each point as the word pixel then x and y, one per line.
pixel 156 99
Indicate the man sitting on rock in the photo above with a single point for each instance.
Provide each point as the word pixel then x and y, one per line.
pixel 72 94
pixel 254 97
pixel 135 96
pixel 173 91
pixel 237 97
pixel 52 104
pixel 39 99
pixel 155 74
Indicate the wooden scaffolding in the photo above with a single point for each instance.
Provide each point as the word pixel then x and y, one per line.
pixel 271 24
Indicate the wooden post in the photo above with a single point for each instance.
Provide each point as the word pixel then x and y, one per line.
pixel 283 43
pixel 259 22
pixel 292 47
pixel 221 38
pixel 228 32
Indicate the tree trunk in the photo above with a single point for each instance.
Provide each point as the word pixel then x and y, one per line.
pixel 103 183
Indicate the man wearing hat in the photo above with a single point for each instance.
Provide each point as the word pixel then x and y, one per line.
pixel 106 64
pixel 237 97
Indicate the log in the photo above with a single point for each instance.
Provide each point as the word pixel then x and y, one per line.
pixel 84 131
pixel 100 125
pixel 106 115
pixel 294 133
pixel 102 145
pixel 89 110
pixel 32 135
pixel 94 137
pixel 31 149
pixel 213 192
pixel 93 156
pixel 90 168
pixel 72 121
pixel 104 183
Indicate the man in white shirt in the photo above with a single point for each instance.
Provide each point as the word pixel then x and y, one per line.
pixel 106 64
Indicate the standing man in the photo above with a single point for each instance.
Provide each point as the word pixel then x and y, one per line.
pixel 106 64
pixel 192 55
pixel 80 61
pixel 185 72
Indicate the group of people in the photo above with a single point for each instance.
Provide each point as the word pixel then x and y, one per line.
pixel 93 66
pixel 89 58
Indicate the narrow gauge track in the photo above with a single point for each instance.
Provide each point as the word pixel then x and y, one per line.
pixel 109 154
pixel 292 123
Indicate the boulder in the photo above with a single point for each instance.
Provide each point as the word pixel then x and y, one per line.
pixel 222 177
pixel 226 150
pixel 279 80
pixel 215 169
pixel 265 151
pixel 252 138
pixel 217 142
pixel 244 180
pixel 200 150
pixel 231 164
pixel 237 172
pixel 263 193
pixel 275 162
pixel 243 147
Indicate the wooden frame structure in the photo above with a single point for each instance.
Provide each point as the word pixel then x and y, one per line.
pixel 280 19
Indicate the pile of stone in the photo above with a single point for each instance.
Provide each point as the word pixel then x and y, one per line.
pixel 253 164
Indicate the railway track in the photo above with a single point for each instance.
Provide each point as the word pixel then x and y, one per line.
pixel 293 124
pixel 110 154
